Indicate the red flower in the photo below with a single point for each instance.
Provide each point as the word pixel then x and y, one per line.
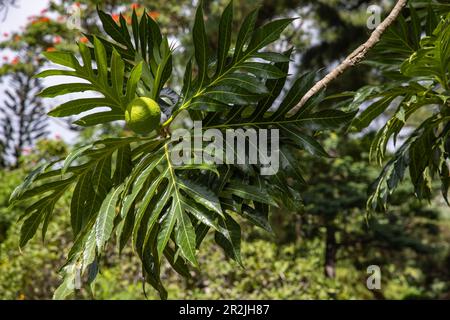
pixel 77 4
pixel 15 61
pixel 116 17
pixel 84 40
pixel 135 6
pixel 57 40
pixel 40 20
pixel 154 15
pixel 51 49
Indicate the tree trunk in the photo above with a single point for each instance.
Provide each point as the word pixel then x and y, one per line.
pixel 330 253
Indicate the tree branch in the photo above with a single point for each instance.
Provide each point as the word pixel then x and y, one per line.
pixel 354 58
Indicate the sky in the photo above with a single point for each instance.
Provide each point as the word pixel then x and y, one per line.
pixel 16 18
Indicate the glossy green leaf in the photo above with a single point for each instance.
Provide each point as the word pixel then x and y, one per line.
pixel 107 213
pixel 225 28
pixel 200 45
pixel 65 88
pixel 185 238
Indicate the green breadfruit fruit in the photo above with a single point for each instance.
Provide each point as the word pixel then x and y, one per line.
pixel 143 115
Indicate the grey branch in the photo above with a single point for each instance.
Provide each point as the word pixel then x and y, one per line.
pixel 354 58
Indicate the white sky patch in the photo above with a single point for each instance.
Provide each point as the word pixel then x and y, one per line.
pixel 18 17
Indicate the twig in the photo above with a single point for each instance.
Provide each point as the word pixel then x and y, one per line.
pixel 354 58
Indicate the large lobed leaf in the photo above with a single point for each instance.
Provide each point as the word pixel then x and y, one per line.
pixel 128 189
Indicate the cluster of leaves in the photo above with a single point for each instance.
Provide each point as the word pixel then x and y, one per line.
pixel 335 200
pixel 129 187
pixel 414 55
pixel 286 269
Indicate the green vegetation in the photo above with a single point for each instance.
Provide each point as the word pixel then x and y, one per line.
pixel 143 115
pixel 113 217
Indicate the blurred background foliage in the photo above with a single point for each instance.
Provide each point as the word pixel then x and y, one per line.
pixel 320 252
